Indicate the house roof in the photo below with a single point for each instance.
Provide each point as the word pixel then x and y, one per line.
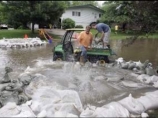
pixel 87 6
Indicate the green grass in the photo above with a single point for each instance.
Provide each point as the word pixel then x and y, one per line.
pixel 113 35
pixel 17 33
pixel 20 34
pixel 124 35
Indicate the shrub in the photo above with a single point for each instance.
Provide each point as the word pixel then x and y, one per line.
pixel 68 23
pixel 78 26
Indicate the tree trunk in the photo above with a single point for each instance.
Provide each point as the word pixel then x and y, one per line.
pixel 32 28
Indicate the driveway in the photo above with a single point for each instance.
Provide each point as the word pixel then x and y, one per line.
pixel 59 32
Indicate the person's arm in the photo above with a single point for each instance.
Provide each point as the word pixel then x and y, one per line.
pixel 80 38
pixel 96 34
pixel 90 46
pixel 102 35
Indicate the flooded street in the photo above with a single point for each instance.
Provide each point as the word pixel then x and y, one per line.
pixel 24 57
pixel 140 49
pixel 65 83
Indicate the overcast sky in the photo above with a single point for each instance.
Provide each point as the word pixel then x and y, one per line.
pixel 100 2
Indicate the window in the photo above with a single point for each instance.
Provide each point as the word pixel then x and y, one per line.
pixel 95 16
pixel 75 13
pixel 100 15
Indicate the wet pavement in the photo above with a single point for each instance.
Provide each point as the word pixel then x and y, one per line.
pixel 59 32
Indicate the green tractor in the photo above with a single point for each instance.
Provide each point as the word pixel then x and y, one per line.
pixel 68 49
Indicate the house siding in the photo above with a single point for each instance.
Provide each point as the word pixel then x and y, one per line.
pixel 87 15
pixel 36 26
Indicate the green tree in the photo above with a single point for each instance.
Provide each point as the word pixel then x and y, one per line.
pixel 113 14
pixel 76 3
pixel 2 14
pixel 18 13
pixel 24 12
pixel 68 23
pixel 142 13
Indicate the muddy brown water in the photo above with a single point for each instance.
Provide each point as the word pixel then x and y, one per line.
pixel 141 49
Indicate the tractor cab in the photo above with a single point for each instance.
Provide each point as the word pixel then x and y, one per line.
pixel 65 49
pixel 68 49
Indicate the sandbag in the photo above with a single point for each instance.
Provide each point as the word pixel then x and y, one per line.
pixel 9 110
pixel 52 100
pixel 113 109
pixel 150 100
pixel 132 105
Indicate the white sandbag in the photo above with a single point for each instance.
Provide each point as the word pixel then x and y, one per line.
pixel 132 105
pixel 66 101
pixel 144 115
pixel 155 84
pixel 70 96
pixel 9 110
pixel 59 114
pixel 154 78
pixel 64 114
pixel 21 42
pixel 144 78
pixel 69 108
pixel 133 84
pixel 119 60
pixel 28 103
pixel 114 78
pixel 88 112
pixel 99 78
pixel 38 81
pixel 35 106
pixel 25 112
pixel 113 109
pixel 44 94
pixel 71 115
pixel 43 113
pixel 150 100
pixel 118 108
pixel 103 112
pixel 148 79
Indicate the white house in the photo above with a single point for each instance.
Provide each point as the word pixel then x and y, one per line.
pixel 36 26
pixel 83 14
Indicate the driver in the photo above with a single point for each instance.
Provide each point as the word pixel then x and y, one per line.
pixel 85 41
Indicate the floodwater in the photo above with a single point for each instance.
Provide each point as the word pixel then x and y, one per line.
pixel 98 85
pixel 140 49
pixel 20 58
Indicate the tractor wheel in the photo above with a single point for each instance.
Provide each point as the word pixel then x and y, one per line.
pixel 57 58
pixel 101 62
pixel 106 59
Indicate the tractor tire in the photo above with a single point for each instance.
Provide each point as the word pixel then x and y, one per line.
pixel 57 58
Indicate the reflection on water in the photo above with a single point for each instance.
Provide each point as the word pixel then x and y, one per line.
pixel 23 57
pixel 141 49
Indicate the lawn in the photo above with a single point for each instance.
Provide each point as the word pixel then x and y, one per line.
pixel 124 35
pixel 20 34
